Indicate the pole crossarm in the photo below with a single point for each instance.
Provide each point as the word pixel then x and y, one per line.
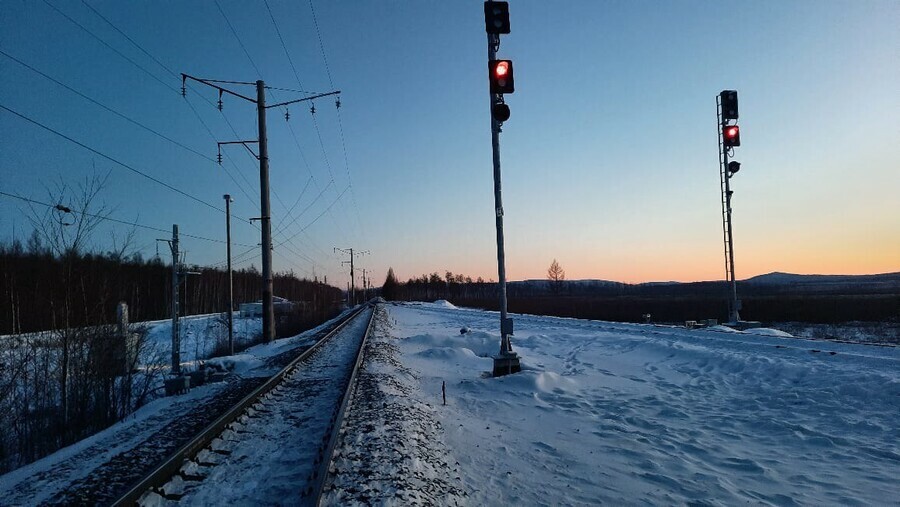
pixel 244 143
pixel 222 89
pixel 351 293
pixel 319 96
pixel 213 84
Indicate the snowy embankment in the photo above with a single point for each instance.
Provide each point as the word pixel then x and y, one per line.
pixel 55 474
pixel 638 414
pixel 200 335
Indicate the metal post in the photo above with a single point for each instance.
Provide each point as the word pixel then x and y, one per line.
pixel 507 361
pixel 352 280
pixel 266 218
pixel 230 275
pixel 365 292
pixel 733 310
pixel 176 337
pixel 733 315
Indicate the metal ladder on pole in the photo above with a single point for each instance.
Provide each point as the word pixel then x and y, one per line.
pixel 726 205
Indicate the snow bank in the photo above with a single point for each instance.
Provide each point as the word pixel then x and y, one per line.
pixel 628 414
pixel 443 303
pixel 766 331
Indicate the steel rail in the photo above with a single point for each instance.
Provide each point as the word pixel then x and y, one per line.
pixel 337 419
pixel 171 466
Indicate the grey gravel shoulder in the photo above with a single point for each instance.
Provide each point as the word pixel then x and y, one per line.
pixel 392 449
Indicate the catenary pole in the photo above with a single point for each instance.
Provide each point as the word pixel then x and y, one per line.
pixel 176 336
pixel 266 218
pixel 230 275
pixel 265 206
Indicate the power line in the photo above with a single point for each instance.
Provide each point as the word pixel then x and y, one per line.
pixel 104 106
pixel 321 44
pixel 139 66
pixel 292 90
pixel 283 45
pixel 297 217
pixel 315 122
pixel 233 31
pixel 236 169
pixel 236 258
pixel 175 74
pixel 123 34
pixel 110 219
pixel 107 45
pixel 339 118
pixel 111 159
pixel 307 226
pixel 259 73
pixel 299 197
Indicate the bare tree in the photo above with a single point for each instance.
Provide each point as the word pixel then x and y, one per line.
pixel 66 228
pixel 557 275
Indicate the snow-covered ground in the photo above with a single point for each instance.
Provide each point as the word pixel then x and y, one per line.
pixel 52 475
pixel 200 334
pixel 639 414
pixel 621 414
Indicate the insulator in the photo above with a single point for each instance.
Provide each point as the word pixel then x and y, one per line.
pixel 287 114
pixel 183 91
pixel 337 103
pixel 219 105
pixel 312 109
pixel 220 159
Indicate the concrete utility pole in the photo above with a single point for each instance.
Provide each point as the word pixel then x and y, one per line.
pixel 506 361
pixel 265 208
pixel 352 254
pixel 176 334
pixel 176 273
pixel 268 310
pixel 230 275
pixel 365 292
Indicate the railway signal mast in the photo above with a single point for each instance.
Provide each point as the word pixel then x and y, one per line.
pixel 729 138
pixel 500 77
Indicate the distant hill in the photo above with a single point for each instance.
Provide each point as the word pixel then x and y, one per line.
pixel 776 283
pixel 544 283
pixel 779 278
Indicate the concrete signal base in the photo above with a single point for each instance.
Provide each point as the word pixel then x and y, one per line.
pixel 178 385
pixel 743 325
pixel 505 364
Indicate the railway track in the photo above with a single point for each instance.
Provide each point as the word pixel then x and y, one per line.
pixel 272 446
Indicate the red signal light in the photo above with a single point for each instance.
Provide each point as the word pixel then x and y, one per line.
pixel 501 76
pixel 502 69
pixel 731 135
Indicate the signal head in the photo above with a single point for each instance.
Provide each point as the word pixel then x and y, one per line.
pixel 729 100
pixel 501 76
pixel 734 167
pixel 496 17
pixel 500 112
pixel 731 136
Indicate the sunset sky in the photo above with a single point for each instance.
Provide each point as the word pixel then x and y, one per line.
pixel 609 158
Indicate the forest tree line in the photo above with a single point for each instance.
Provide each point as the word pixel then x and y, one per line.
pixel 629 303
pixel 40 290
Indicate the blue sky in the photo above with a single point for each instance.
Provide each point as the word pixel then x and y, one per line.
pixel 609 159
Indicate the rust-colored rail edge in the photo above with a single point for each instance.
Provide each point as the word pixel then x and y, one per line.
pixel 170 467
